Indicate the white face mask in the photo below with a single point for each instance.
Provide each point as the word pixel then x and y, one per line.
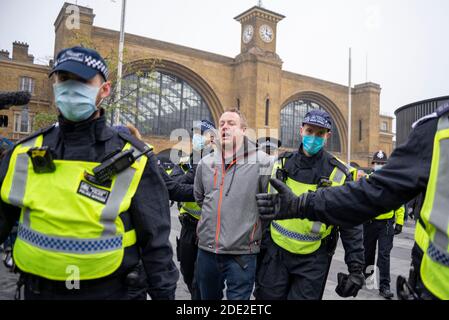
pixel 198 142
pixel 377 166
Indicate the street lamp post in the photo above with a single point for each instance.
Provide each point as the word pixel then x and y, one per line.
pixel 349 111
pixel 120 64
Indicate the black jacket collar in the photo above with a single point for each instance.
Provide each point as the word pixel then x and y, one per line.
pixel 306 161
pixel 90 130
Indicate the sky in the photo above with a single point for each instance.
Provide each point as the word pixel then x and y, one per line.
pixel 400 44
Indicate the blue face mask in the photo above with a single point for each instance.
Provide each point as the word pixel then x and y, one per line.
pixel 198 142
pixel 75 100
pixel 312 144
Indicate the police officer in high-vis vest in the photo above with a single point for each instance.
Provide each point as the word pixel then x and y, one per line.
pixel 380 231
pixel 299 251
pixel 203 135
pixel 419 165
pixel 90 200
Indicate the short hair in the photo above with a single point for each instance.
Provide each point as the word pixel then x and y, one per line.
pixel 243 122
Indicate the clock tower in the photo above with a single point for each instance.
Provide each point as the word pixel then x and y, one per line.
pixel 258 70
pixel 258 29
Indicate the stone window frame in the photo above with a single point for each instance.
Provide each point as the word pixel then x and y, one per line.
pixel 166 90
pixel 27 83
pixel 290 122
pixel 18 121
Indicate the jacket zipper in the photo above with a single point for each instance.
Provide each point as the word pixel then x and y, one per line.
pixel 252 236
pixel 223 173
pixel 217 230
pixel 215 177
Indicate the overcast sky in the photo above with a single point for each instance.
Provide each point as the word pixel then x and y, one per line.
pixel 406 41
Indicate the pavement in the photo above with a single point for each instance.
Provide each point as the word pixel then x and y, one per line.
pixel 400 263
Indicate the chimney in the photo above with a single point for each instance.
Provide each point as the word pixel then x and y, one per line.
pixel 74 23
pixel 20 52
pixel 4 54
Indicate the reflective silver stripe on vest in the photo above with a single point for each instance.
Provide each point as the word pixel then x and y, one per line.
pixel 26 216
pixel 316 227
pixel 294 235
pixel 118 193
pixel 338 176
pixel 191 211
pixel 69 245
pixel 20 176
pixel 439 216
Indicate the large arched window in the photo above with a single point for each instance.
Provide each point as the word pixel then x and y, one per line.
pixel 292 116
pixel 157 103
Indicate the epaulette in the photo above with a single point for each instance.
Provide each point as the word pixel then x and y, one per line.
pixel 286 155
pixel 340 165
pixel 283 156
pixel 424 119
pixel 443 109
pixel 35 134
pixel 140 145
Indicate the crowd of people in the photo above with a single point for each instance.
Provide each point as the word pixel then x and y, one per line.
pixel 81 193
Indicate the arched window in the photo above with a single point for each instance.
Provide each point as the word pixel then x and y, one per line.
pixel 157 103
pixel 292 116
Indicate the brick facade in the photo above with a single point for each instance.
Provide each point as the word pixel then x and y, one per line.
pixel 252 77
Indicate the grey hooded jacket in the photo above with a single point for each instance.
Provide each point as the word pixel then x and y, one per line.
pixel 230 221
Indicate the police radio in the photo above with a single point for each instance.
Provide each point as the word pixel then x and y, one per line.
pixel 281 174
pixel 116 164
pixel 324 183
pixel 42 159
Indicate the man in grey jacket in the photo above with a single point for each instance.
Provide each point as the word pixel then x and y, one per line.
pixel 229 230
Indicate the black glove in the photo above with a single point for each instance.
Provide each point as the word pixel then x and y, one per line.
pixel 349 285
pixel 397 229
pixel 282 205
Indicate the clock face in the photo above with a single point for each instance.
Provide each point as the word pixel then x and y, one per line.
pixel 248 32
pixel 266 33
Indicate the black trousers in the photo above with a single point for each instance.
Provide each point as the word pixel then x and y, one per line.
pixel 36 288
pixel 287 276
pixel 381 233
pixel 187 251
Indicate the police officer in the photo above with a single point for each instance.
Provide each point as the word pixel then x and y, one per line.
pixel 80 237
pixel 381 231
pixel 419 165
pixel 299 251
pixel 189 211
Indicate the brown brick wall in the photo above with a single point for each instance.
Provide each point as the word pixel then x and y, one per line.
pixel 253 76
pixel 10 74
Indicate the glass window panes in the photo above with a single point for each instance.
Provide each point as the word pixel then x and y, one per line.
pixel 27 84
pixel 157 103
pixel 384 126
pixel 22 121
pixel 292 116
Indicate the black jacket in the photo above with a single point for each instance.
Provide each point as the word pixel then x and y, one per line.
pixel 404 177
pixel 148 214
pixel 311 170
pixel 183 177
pixel 177 190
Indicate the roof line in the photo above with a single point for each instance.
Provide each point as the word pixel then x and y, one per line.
pixel 420 102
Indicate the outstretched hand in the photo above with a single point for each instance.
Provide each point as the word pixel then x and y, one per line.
pixel 282 205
